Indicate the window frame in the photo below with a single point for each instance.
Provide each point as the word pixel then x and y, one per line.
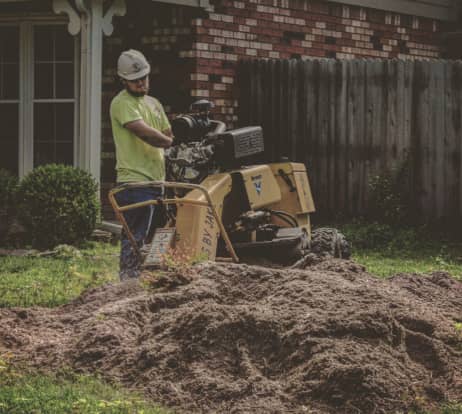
pixel 18 99
pixel 27 86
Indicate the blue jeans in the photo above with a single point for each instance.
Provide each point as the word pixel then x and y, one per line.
pixel 139 222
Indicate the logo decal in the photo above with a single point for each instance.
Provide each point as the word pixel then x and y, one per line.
pixel 257 185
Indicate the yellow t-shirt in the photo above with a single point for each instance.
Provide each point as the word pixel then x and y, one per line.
pixel 137 160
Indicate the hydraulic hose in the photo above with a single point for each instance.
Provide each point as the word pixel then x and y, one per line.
pixel 284 216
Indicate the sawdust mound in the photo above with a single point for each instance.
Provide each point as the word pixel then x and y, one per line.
pixel 242 339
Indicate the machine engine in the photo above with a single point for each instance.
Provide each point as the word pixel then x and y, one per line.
pixel 206 150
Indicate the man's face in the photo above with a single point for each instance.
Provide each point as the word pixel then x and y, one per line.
pixel 137 87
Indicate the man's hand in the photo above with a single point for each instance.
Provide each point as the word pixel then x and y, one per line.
pixel 150 135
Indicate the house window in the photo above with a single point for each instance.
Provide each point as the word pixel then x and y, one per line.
pixel 37 95
pixel 54 95
pixel 9 98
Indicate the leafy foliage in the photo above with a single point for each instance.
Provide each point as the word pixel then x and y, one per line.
pixel 8 194
pixel 60 205
pixel 375 235
pixel 390 198
pixel 8 189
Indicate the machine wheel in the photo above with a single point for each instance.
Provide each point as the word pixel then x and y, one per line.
pixel 329 241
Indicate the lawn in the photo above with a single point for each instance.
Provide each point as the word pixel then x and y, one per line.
pixel 386 250
pixel 65 392
pixel 55 280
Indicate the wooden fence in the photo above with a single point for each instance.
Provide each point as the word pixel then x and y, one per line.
pixel 349 120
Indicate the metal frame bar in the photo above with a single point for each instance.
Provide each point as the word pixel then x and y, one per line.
pixel 163 184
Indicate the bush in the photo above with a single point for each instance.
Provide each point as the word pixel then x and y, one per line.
pixel 380 236
pixel 8 193
pixel 390 199
pixel 60 205
pixel 8 189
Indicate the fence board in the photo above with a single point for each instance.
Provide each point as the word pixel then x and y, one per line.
pixel 439 138
pixel 348 120
pixel 340 131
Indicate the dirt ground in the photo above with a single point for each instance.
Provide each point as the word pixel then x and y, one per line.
pixel 230 338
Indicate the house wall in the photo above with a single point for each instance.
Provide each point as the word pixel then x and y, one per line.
pixel 195 54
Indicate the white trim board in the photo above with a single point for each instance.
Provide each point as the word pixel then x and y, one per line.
pixel 205 4
pixel 435 9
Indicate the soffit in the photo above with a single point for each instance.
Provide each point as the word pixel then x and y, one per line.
pixel 435 9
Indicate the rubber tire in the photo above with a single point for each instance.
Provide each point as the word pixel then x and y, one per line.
pixel 329 241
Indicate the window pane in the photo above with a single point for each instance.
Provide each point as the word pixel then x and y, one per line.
pixel 53 133
pixel 64 80
pixel 54 80
pixel 9 156
pixel 9 139
pixel 43 154
pixel 43 80
pixel 44 122
pixel 10 74
pixel 43 44
pixel 64 154
pixel 9 121
pixel 64 122
pixel 64 45
pixel 9 63
pixel 9 44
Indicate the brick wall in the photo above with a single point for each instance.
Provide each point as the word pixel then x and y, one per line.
pixel 194 54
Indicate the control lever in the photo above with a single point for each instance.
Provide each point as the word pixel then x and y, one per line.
pixel 286 178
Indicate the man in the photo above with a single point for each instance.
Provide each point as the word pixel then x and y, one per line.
pixel 141 131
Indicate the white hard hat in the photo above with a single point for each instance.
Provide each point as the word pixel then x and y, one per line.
pixel 132 65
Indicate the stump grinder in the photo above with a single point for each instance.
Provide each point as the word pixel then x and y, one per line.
pixel 220 202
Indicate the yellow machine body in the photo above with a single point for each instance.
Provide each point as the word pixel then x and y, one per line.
pixel 260 186
pixel 197 231
pixel 296 200
pixel 207 210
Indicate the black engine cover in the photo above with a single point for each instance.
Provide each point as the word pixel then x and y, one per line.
pixel 239 146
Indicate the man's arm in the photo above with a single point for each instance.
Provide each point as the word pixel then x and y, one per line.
pixel 150 135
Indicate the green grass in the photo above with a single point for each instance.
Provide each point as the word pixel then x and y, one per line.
pixel 34 393
pixel 385 250
pixel 452 408
pixel 446 408
pixel 383 264
pixel 52 281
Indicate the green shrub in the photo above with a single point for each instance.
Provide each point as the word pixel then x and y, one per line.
pixel 390 199
pixel 8 193
pixel 59 205
pixel 381 236
pixel 8 190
